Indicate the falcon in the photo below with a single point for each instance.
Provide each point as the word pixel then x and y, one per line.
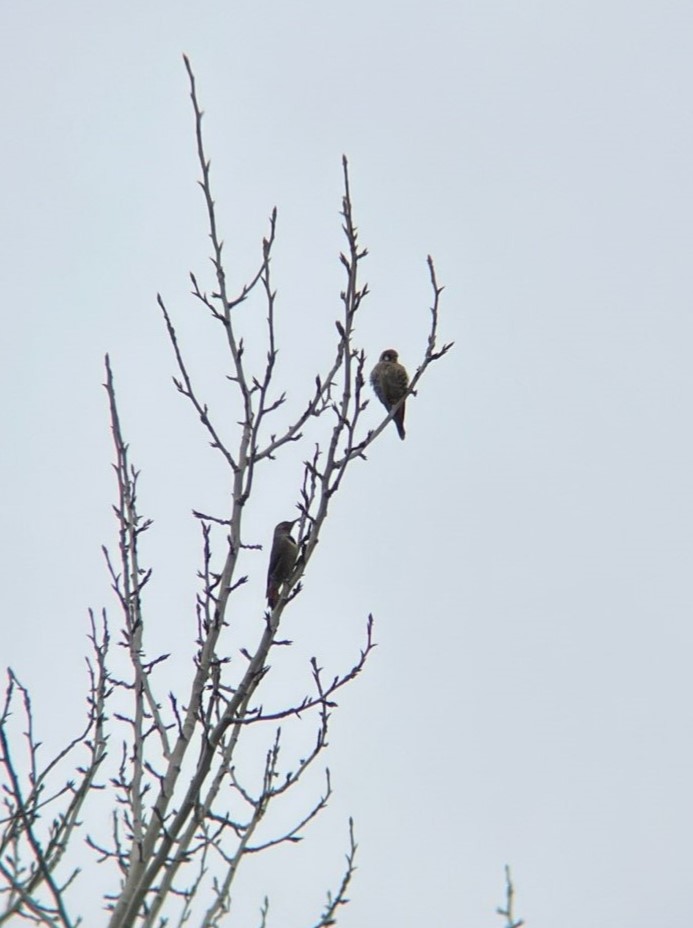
pixel 282 559
pixel 390 382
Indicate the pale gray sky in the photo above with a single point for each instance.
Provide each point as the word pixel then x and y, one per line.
pixel 526 552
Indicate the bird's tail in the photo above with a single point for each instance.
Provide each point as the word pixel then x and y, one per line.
pixel 272 593
pixel 399 422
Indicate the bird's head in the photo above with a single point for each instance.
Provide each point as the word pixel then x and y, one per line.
pixel 389 355
pixel 284 528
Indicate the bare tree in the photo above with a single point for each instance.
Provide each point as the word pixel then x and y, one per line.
pixel 182 817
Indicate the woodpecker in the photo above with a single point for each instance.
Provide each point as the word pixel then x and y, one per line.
pixel 390 381
pixel 282 559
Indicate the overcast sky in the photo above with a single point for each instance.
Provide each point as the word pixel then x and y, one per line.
pixel 526 551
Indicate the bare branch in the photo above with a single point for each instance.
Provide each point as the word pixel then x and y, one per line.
pixel 334 902
pixel 507 912
pixel 186 388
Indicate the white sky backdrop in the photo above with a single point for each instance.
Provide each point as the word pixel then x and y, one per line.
pixel 526 552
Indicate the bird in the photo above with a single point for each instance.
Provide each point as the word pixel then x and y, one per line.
pixel 282 559
pixel 390 381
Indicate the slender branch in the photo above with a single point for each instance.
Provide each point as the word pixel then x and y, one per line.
pixel 334 902
pixel 186 388
pixel 507 912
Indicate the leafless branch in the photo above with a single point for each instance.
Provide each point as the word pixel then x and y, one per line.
pixel 32 889
pixel 507 912
pixel 334 902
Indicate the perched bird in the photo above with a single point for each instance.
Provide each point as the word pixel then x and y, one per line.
pixel 282 559
pixel 390 381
